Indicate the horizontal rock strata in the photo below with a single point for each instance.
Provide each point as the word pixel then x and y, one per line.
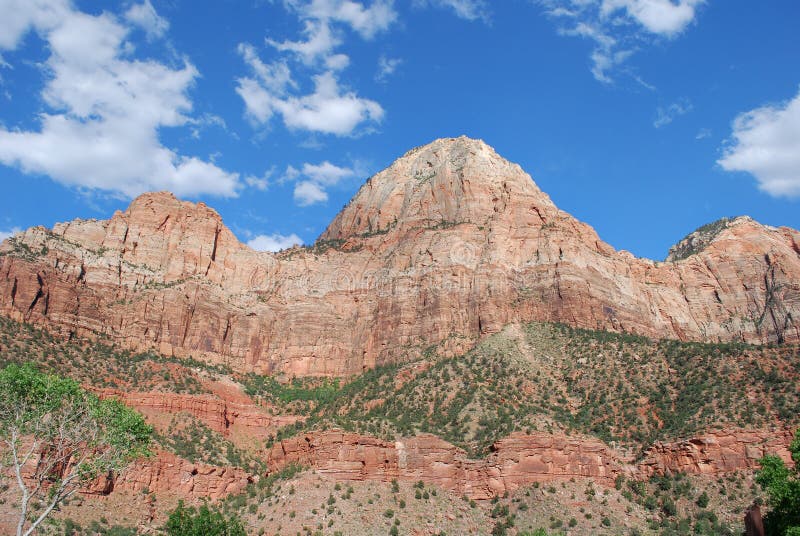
pixel 449 243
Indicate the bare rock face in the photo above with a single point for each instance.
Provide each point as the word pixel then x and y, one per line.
pixel 449 243
pixel 717 452
pixel 516 461
pixel 167 473
pixel 519 459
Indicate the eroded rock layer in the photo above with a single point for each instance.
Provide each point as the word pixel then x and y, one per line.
pixel 520 460
pixel 449 243
pixel 222 416
pixel 167 473
pixel 516 461
pixel 716 452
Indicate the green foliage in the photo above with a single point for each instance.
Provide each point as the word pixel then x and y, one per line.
pixel 205 521
pixel 100 363
pixel 298 389
pixel 191 439
pixel 36 404
pixel 74 436
pixel 782 486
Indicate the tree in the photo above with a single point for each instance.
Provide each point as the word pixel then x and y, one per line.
pixel 56 438
pixel 204 521
pixel 783 489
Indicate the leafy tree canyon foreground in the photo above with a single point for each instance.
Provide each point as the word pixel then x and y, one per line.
pixel 57 438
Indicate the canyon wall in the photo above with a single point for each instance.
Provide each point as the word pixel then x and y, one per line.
pixel 519 460
pixel 449 243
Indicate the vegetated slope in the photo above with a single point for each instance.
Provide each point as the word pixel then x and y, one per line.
pixel 103 364
pixel 100 364
pixel 539 376
pixel 617 387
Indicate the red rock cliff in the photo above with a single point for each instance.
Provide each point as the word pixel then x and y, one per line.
pixel 450 240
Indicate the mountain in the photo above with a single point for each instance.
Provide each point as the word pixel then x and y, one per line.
pixel 448 244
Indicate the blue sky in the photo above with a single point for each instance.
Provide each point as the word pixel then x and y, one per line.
pixel 644 118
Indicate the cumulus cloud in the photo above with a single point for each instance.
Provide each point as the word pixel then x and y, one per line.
pixel 332 108
pixel 367 21
pixel 766 143
pixel 309 193
pixel 8 234
pixel 664 17
pixel 618 27
pixel 314 179
pixel 465 9
pixel 262 182
pixel 274 242
pixel 666 115
pixel 103 135
pixel 144 16
pixel 319 42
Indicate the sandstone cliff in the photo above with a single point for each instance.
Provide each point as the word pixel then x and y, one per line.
pixel 520 459
pixel 516 461
pixel 449 243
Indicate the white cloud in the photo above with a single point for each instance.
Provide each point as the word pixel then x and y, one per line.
pixel 387 67
pixel 619 27
pixel 262 182
pixel 663 17
pixel 465 9
pixel 330 108
pixel 144 16
pixel 766 143
pixel 274 242
pixel 107 110
pixel 665 116
pixel 326 173
pixel 8 234
pixel 309 193
pixel 275 77
pixel 316 178
pixel 367 21
pixel 319 42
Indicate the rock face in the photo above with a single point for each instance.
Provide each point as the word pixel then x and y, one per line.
pixel 449 243
pixel 519 460
pixel 167 473
pixel 516 461
pixel 222 416
pixel 717 452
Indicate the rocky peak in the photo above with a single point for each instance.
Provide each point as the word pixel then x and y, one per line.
pixel 448 181
pixel 702 237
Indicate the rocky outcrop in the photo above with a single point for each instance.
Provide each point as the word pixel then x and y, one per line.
pixel 519 460
pixel 716 452
pixel 450 243
pixel 165 473
pixel 516 461
pixel 219 415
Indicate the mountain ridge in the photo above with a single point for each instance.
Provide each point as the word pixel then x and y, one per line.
pixel 414 261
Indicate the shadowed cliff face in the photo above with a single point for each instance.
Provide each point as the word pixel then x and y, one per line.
pixel 449 243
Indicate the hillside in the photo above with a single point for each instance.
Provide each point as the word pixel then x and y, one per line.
pixel 527 389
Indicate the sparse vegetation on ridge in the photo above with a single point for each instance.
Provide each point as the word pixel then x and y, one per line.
pixel 617 387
